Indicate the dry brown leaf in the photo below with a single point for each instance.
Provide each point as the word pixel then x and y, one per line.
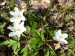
pixel 73 17
pixel 23 6
pixel 34 4
pixel 57 45
pixel 37 4
pixel 62 2
pixel 65 3
pixel 45 3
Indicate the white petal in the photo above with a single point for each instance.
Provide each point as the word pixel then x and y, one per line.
pixel 21 12
pixel 58 32
pixel 11 28
pixel 11 34
pixel 16 10
pixel 16 24
pixel 18 21
pixel 12 19
pixel 23 29
pixel 12 13
pixel 54 38
pixel 22 24
pixel 23 18
pixel 64 35
pixel 63 42
pixel 18 34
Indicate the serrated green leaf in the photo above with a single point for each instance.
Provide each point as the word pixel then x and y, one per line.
pixel 50 32
pixel 18 45
pixel 15 38
pixel 9 45
pixel 33 41
pixel 2 25
pixel 8 42
pixel 24 51
pixel 14 47
pixel 33 24
pixel 27 30
pixel 5 16
pixel 2 31
pixel 37 33
pixel 47 54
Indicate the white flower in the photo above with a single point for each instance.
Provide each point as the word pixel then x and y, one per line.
pixel 60 37
pixel 17 29
pixel 17 15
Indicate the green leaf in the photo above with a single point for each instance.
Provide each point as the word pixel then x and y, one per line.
pixel 12 43
pixel 62 54
pixel 50 32
pixel 33 24
pixel 47 54
pixel 51 52
pixel 16 47
pixel 27 30
pixel 2 25
pixel 33 42
pixel 11 3
pixel 5 16
pixel 37 33
pixel 2 31
pixel 9 42
pixel 24 51
pixel 42 35
pixel 15 38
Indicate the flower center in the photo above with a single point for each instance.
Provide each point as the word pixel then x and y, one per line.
pixel 59 37
pixel 17 29
pixel 18 16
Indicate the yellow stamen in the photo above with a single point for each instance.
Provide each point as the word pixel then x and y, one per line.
pixel 18 16
pixel 59 37
pixel 17 29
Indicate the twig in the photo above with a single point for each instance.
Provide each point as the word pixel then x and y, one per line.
pixel 42 27
pixel 51 48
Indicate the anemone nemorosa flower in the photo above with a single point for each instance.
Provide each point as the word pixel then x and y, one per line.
pixel 60 37
pixel 17 15
pixel 17 29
